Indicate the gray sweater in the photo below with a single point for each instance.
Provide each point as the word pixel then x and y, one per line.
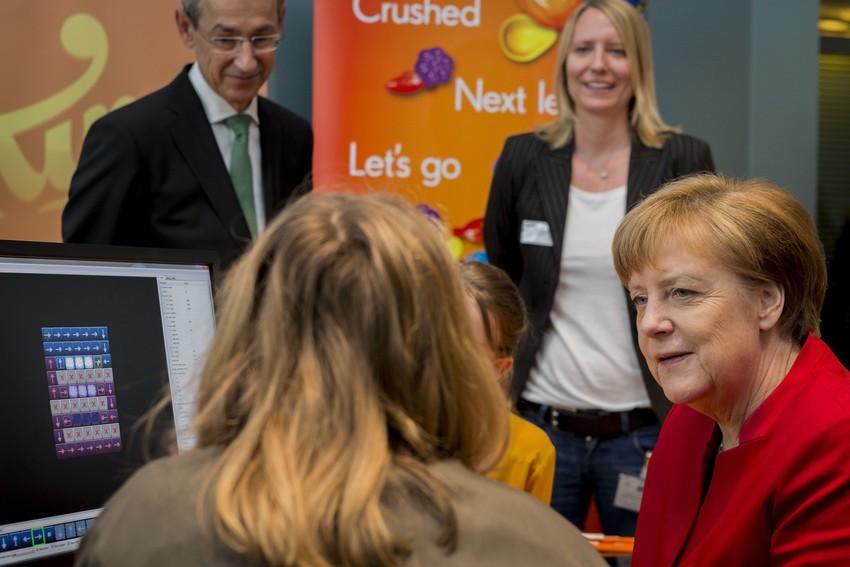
pixel 152 521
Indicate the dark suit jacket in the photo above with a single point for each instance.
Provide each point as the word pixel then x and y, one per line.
pixel 531 182
pixel 151 174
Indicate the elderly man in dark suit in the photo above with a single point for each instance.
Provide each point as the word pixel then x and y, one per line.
pixel 204 162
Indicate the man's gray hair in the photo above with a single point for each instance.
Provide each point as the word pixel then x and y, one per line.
pixel 192 8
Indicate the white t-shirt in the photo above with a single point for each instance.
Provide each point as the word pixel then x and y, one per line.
pixel 586 358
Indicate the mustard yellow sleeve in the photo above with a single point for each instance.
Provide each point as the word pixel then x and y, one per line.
pixel 529 461
pixel 542 474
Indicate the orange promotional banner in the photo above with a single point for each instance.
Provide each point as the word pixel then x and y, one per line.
pixel 67 63
pixel 418 96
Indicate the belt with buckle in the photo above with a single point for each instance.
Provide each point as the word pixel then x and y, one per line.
pixel 588 423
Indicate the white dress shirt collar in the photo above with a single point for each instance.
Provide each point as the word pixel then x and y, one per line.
pixel 215 106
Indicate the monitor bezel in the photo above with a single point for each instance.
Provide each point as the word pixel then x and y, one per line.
pixel 109 253
pixel 63 251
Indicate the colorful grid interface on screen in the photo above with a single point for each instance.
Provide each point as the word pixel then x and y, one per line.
pixel 81 386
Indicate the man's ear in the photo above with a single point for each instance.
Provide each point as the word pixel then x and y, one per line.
pixel 772 298
pixel 184 28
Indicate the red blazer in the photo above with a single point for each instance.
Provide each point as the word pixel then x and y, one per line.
pixel 782 497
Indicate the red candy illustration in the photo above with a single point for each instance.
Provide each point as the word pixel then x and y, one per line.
pixel 407 82
pixel 433 67
pixel 471 232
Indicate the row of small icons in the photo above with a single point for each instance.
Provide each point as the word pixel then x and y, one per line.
pixel 84 362
pixel 77 347
pixel 44 535
pixel 74 333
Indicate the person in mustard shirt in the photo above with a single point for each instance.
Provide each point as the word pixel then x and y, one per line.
pixel 499 322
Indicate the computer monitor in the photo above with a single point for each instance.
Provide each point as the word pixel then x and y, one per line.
pixel 91 338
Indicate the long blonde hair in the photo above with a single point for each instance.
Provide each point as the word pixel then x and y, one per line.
pixel 643 112
pixel 342 366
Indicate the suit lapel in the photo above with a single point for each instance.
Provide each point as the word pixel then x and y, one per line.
pixel 646 166
pixel 645 171
pixel 555 172
pixel 271 139
pixel 195 140
pixel 701 441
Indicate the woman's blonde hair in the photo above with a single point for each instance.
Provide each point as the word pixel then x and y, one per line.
pixel 643 109
pixel 341 368
pixel 753 227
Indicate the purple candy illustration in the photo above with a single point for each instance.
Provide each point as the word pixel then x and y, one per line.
pixel 434 66
pixel 429 212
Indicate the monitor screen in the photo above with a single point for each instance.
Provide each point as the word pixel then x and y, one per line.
pixel 91 338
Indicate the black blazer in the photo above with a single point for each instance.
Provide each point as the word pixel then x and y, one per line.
pixel 531 182
pixel 151 174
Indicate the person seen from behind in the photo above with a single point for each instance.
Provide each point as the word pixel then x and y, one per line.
pixel 345 416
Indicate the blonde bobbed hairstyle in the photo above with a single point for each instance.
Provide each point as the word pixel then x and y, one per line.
pixel 753 227
pixel 343 364
pixel 643 111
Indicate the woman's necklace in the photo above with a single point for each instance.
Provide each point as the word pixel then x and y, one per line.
pixel 601 172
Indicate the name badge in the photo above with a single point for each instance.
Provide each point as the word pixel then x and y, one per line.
pixel 629 492
pixel 536 233
pixel 630 488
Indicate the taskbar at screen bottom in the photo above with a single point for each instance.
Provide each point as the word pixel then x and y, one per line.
pixel 37 539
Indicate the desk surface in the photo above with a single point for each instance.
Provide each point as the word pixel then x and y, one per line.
pixel 611 546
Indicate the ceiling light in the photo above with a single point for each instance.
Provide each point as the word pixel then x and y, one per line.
pixel 832 25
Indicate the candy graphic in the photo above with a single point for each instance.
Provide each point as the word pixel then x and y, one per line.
pixel 549 13
pixel 455 247
pixel 433 67
pixel 430 213
pixel 478 256
pixel 640 6
pixel 406 83
pixel 523 40
pixel 471 232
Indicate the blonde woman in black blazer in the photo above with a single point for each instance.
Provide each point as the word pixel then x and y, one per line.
pixel 579 373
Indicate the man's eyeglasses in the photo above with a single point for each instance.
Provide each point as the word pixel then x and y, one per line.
pixel 233 43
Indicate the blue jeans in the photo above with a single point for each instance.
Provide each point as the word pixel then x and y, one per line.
pixel 590 466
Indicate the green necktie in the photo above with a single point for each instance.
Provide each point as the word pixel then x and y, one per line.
pixel 240 169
